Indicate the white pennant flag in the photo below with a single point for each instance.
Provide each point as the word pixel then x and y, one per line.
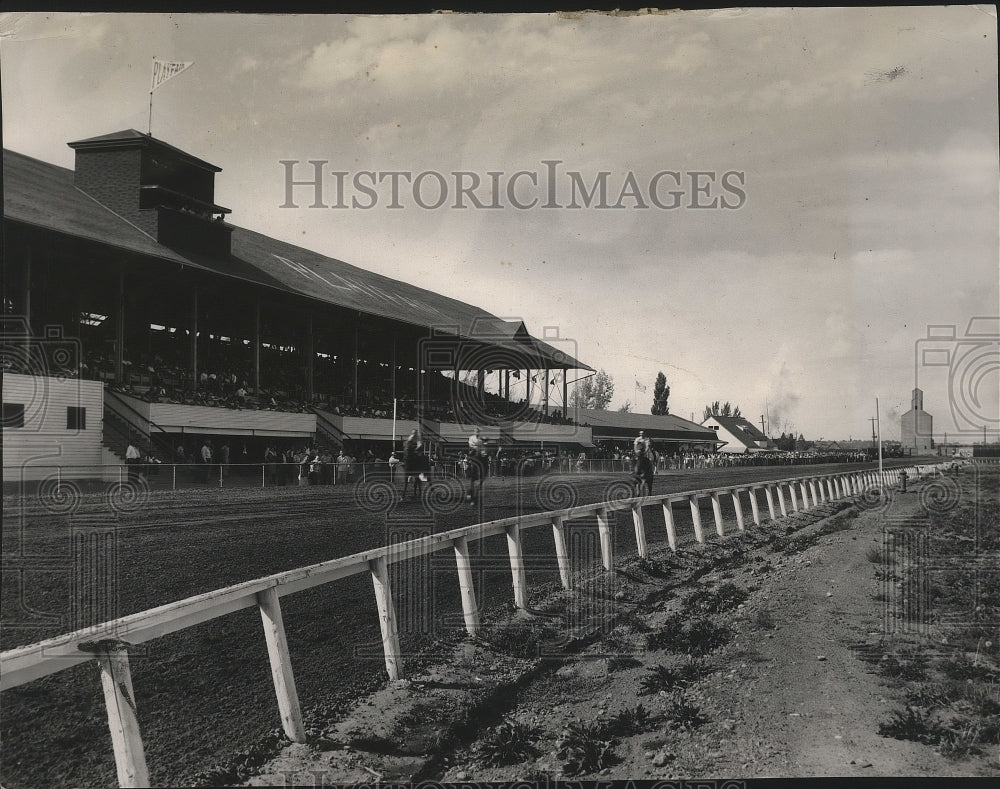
pixel 164 70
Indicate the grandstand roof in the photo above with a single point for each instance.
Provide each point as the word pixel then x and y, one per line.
pixel 43 195
pixel 666 426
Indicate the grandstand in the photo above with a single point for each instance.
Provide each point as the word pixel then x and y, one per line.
pixel 125 272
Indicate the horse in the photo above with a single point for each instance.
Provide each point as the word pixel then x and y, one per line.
pixel 476 473
pixel 414 464
pixel 643 473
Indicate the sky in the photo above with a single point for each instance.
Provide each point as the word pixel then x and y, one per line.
pixel 793 196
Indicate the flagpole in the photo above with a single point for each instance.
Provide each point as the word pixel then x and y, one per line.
pixel 149 125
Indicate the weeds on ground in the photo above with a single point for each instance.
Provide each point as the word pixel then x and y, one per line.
pixel 695 637
pixel 912 724
pixel 683 712
pixel 584 748
pixel 631 721
pixel 723 598
pixel 510 742
pixel 524 638
pixel 959 667
pixel 622 662
pixel 668 679
pixel 878 555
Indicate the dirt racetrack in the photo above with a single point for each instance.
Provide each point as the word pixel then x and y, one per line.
pixel 205 694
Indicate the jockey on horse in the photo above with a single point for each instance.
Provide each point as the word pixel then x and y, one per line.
pixel 477 466
pixel 414 462
pixel 642 468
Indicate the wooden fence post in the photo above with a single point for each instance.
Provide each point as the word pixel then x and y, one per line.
pixel 607 546
pixel 562 553
pixel 793 497
pixel 699 535
pixel 465 583
pixel 754 506
pixel 769 495
pixel 517 565
pixel 281 664
pixel 668 521
pixel 814 486
pixel 717 512
pixel 640 531
pixel 739 510
pixel 386 617
pixel 123 721
pixel 804 490
pixel 781 500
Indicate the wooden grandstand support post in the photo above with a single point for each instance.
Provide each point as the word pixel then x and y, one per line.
pixel 120 324
pixel 562 553
pixel 386 617
pixel 717 512
pixel 754 506
pixel 281 665
pixel 546 400
pixel 781 500
pixel 310 357
pixel 194 337
pixel 517 565
pixel 354 375
pixel 565 398
pixel 607 545
pixel 123 720
pixel 668 521
pixel 739 510
pixel 470 610
pixel 768 494
pixel 256 348
pixel 640 531
pixel 699 534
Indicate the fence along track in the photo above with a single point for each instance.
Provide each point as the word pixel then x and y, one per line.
pixel 108 642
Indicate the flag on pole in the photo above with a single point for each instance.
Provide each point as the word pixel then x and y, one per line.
pixel 164 70
pixel 640 387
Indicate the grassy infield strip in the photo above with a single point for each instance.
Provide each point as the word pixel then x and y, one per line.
pixel 942 582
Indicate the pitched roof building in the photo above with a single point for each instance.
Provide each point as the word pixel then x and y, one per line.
pixel 740 434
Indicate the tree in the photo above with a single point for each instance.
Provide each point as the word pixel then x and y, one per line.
pixel 725 410
pixel 595 392
pixel 626 408
pixel 661 393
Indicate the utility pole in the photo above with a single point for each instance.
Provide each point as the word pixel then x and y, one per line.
pixel 762 430
pixel 879 424
pixel 873 420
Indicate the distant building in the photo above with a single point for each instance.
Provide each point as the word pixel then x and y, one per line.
pixel 740 434
pixel 917 425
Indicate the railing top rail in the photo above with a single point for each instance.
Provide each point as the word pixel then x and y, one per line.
pixel 25 663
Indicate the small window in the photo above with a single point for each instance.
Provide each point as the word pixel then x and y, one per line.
pixel 13 414
pixel 76 418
